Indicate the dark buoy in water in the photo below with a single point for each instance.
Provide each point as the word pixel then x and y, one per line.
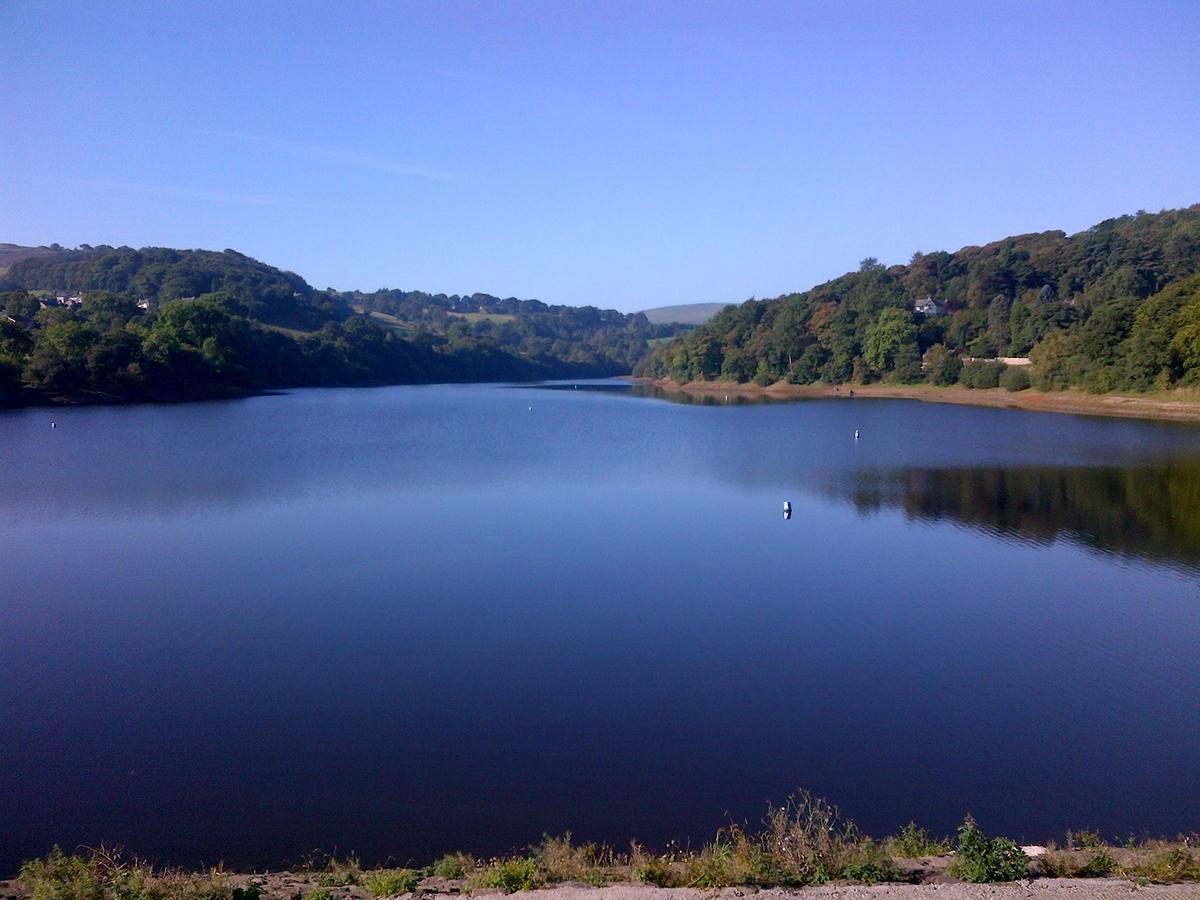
pixel 787 509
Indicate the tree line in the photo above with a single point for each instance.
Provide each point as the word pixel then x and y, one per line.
pixel 1116 307
pixel 590 340
pixel 165 324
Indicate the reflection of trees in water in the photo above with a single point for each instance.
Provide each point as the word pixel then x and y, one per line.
pixel 654 391
pixel 1147 513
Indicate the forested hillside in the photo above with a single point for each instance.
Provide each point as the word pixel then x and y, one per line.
pixel 586 339
pixel 97 323
pixel 1111 308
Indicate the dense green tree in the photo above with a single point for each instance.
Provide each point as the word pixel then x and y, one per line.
pixel 1151 356
pixel 941 366
pixel 58 361
pixel 15 341
pixel 1016 378
pixel 891 332
pixel 19 303
pixel 1050 361
pixel 1185 345
pixel 982 375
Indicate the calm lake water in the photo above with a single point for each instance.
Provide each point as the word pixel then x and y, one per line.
pixel 410 620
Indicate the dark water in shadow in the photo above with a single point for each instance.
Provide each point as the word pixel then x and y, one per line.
pixel 409 620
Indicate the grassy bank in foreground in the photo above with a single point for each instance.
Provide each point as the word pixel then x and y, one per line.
pixel 804 843
pixel 1180 405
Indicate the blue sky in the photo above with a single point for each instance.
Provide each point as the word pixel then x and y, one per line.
pixel 619 154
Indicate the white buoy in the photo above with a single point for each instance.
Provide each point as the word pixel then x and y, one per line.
pixel 531 409
pixel 856 434
pixel 787 509
pixel 53 424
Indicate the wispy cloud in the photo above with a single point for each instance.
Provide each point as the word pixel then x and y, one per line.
pixel 188 193
pixel 353 158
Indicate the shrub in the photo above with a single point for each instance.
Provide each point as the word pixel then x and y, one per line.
pixel 1171 865
pixel 560 860
pixel 913 841
pixel 713 868
pixel 655 870
pixel 105 874
pixel 62 877
pixel 808 840
pixel 982 859
pixel 390 882
pixel 765 375
pixel 870 864
pixel 941 365
pixel 981 375
pixel 453 865
pixel 870 872
pixel 1098 866
pixel 519 874
pixel 1084 839
pixel 340 872
pixel 1015 378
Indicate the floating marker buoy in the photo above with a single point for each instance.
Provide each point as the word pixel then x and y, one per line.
pixel 53 424
pixel 787 509
pixel 856 434
pixel 531 409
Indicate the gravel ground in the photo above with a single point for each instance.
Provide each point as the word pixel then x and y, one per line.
pixel 1047 888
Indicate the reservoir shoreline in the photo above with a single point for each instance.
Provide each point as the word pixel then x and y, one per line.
pixel 1175 407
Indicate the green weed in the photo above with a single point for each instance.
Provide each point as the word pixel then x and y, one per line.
pixel 655 870
pixel 1176 864
pixel 912 842
pixel 1084 839
pixel 107 874
pixel 453 865
pixel 982 859
pixel 520 874
pixel 712 868
pixel 340 872
pixel 870 863
pixel 1099 865
pixel 561 860
pixel 390 882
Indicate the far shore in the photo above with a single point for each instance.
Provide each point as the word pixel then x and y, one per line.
pixel 1177 406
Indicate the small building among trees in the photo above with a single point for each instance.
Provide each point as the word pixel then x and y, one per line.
pixel 929 307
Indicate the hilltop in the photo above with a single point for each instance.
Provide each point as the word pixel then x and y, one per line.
pixel 685 314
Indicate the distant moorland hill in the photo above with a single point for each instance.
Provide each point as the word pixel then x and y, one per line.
pixel 1116 307
pixel 105 323
pixel 13 253
pixel 685 314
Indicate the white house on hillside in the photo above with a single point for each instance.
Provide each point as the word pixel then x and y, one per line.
pixel 929 307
